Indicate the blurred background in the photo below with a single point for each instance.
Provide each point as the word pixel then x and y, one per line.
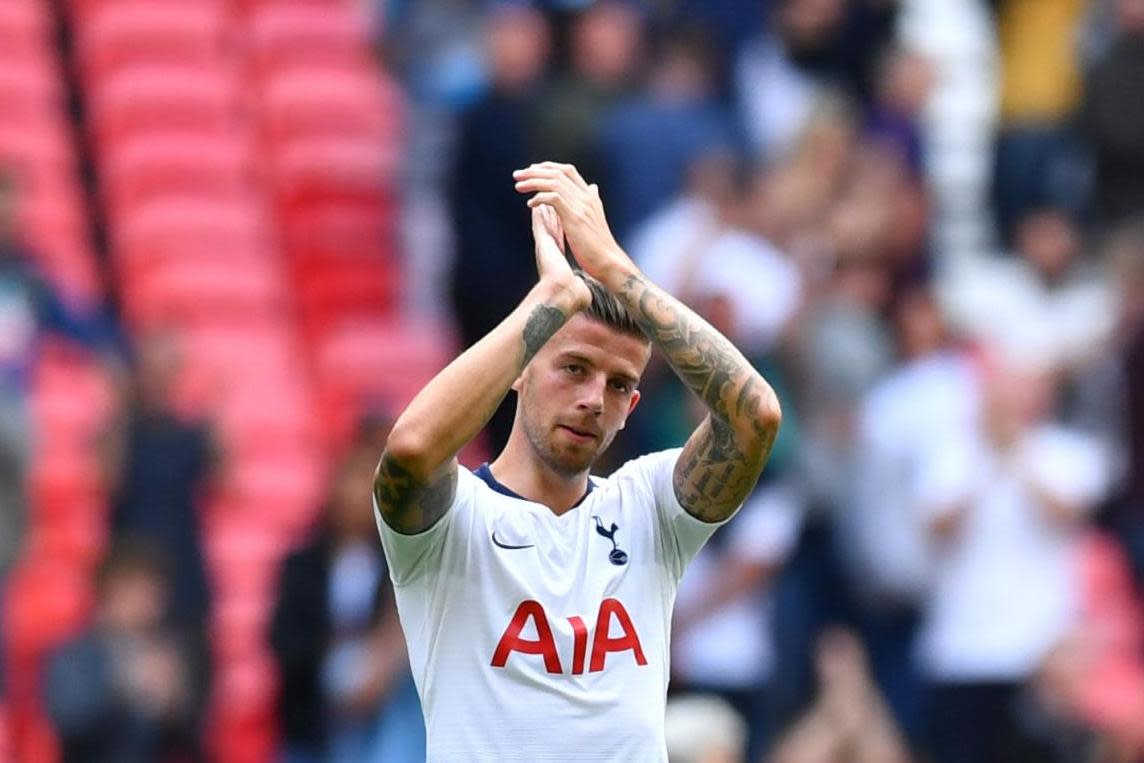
pixel 236 236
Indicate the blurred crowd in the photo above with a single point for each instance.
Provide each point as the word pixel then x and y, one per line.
pixel 923 220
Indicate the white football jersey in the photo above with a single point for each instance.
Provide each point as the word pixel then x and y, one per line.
pixel 537 637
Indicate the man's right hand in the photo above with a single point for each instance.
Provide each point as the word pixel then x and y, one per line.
pixel 551 262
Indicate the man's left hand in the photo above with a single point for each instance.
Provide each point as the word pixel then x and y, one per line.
pixel 582 214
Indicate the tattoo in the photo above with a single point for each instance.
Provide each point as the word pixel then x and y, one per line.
pixel 710 477
pixel 724 457
pixel 410 505
pixel 542 323
pixel 702 357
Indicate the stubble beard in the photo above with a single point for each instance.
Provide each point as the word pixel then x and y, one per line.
pixel 566 464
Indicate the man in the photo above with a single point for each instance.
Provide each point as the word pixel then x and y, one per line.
pixel 535 601
pixel 133 687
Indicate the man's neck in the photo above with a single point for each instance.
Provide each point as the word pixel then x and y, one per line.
pixel 519 469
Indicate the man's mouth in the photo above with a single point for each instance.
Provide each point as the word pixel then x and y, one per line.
pixel 579 434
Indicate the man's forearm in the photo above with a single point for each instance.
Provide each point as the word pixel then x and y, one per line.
pixel 416 477
pixel 723 458
pixel 705 360
pixel 453 408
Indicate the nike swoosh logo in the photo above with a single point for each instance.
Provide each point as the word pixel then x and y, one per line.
pixel 509 546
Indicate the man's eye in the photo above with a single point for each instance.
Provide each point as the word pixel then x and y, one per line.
pixel 574 368
pixel 621 386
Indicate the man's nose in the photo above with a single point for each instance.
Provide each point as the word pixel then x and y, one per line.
pixel 592 394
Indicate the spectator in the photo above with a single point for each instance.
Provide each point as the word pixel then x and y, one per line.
pixel 1005 506
pixel 781 75
pixel 1108 396
pixel 902 87
pixel 843 345
pixel 708 246
pixel 1113 117
pixel 722 641
pixel 1038 159
pixel 158 465
pixel 1048 296
pixel 347 694
pixel 704 730
pixel 435 44
pixel 493 267
pixel 29 307
pixel 848 722
pixel 928 399
pixel 132 688
pixel 647 141
pixel 1131 261
pixel 606 49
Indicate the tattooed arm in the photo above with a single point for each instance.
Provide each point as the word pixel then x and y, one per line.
pixel 416 478
pixel 723 458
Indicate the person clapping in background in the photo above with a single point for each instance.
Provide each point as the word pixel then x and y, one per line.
pixel 132 688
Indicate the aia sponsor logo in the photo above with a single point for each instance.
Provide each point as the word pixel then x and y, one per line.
pixel 544 645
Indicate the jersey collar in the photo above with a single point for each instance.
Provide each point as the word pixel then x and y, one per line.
pixel 486 474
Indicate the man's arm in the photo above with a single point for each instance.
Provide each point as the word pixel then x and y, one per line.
pixel 416 479
pixel 723 458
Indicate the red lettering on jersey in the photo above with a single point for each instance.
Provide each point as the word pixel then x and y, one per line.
pixel 603 643
pixel 543 644
pixel 579 644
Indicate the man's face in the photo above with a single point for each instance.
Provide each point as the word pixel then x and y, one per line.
pixel 578 391
pixel 134 601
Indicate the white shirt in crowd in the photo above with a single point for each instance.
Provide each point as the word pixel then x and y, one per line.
pixel 913 411
pixel 540 637
pixel 683 249
pixel 732 648
pixel 1005 586
pixel 1004 303
pixel 355 576
pixel 777 97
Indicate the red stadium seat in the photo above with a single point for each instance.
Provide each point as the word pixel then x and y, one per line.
pixel 24 27
pixel 339 229
pixel 44 146
pixel 285 34
pixel 47 603
pixel 174 224
pixel 151 166
pixel 163 98
pixel 333 165
pixel 82 10
pixel 192 290
pixel 316 102
pixel 240 351
pixel 30 91
pixel 113 35
pixel 389 362
pixel 243 708
pixel 342 294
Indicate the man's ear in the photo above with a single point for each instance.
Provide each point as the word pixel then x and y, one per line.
pixel 631 407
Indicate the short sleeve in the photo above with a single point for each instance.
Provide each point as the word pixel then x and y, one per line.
pixel 682 534
pixel 410 557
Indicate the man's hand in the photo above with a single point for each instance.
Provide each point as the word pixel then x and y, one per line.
pixel 551 263
pixel 581 212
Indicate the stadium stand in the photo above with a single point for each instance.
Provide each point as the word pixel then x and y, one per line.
pixel 246 159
